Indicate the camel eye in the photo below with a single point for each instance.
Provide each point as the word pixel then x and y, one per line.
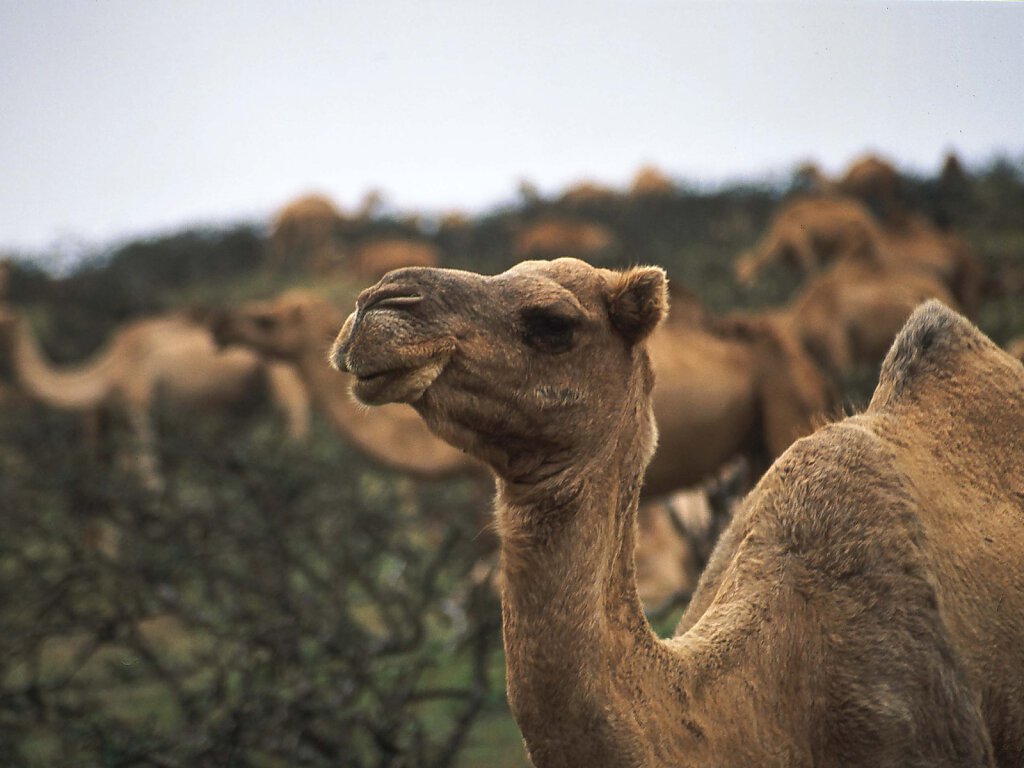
pixel 264 322
pixel 548 331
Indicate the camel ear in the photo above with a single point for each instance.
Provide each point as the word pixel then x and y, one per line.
pixel 637 301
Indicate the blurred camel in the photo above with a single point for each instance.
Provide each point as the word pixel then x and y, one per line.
pixel 373 259
pixel 303 233
pixel 587 193
pixel 168 357
pixel 810 233
pixel 564 237
pixel 849 315
pixel 651 181
pixel 298 327
pixel 726 388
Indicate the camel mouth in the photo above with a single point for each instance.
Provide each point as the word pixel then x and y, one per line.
pixel 405 384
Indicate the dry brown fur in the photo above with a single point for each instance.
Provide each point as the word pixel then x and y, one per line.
pixel 865 608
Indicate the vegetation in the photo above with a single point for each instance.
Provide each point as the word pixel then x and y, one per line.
pixel 285 605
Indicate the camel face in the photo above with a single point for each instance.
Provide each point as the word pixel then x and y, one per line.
pixel 521 369
pixel 277 329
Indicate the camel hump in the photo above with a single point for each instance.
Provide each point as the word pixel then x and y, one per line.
pixel 933 339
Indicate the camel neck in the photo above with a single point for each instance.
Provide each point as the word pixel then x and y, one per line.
pixel 73 388
pixel 576 637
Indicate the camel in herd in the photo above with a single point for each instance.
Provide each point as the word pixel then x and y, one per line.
pixel 807 234
pixel 588 193
pixel 303 233
pixel 865 607
pixel 870 179
pixel 297 328
pixel 557 236
pixel 848 315
pixel 170 358
pixel 373 259
pixel 727 388
pixel 651 181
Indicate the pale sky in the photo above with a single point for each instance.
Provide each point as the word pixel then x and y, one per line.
pixel 119 118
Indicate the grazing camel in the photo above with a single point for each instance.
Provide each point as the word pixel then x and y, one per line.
pixel 297 328
pixel 808 234
pixel 849 315
pixel 170 358
pixel 560 237
pixel 864 608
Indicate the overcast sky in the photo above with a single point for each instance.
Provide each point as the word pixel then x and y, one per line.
pixel 121 118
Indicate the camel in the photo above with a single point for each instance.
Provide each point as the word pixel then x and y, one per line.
pixel 297 328
pixel 563 237
pixel 848 316
pixel 864 608
pixel 303 233
pixel 876 183
pixel 373 259
pixel 587 192
pixel 168 357
pixel 809 233
pixel 650 181
pixel 726 388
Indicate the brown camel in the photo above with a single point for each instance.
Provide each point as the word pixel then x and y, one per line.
pixel 564 237
pixel 651 181
pixel 876 183
pixel 297 328
pixel 168 357
pixel 807 234
pixel 727 388
pixel 303 234
pixel 588 193
pixel 865 607
pixel 373 259
pixel 848 315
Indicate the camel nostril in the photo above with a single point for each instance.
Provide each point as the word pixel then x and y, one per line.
pixel 396 298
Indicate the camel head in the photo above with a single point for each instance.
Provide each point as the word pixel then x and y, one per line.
pixel 529 370
pixel 283 328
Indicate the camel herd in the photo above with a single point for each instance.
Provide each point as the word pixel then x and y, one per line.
pixel 863 605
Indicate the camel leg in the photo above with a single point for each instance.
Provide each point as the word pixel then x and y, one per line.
pixel 147 463
pixel 291 399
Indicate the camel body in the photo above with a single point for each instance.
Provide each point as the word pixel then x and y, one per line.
pixel 722 394
pixel 865 607
pixel 168 358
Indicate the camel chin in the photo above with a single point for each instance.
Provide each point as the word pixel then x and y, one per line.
pixel 401 385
